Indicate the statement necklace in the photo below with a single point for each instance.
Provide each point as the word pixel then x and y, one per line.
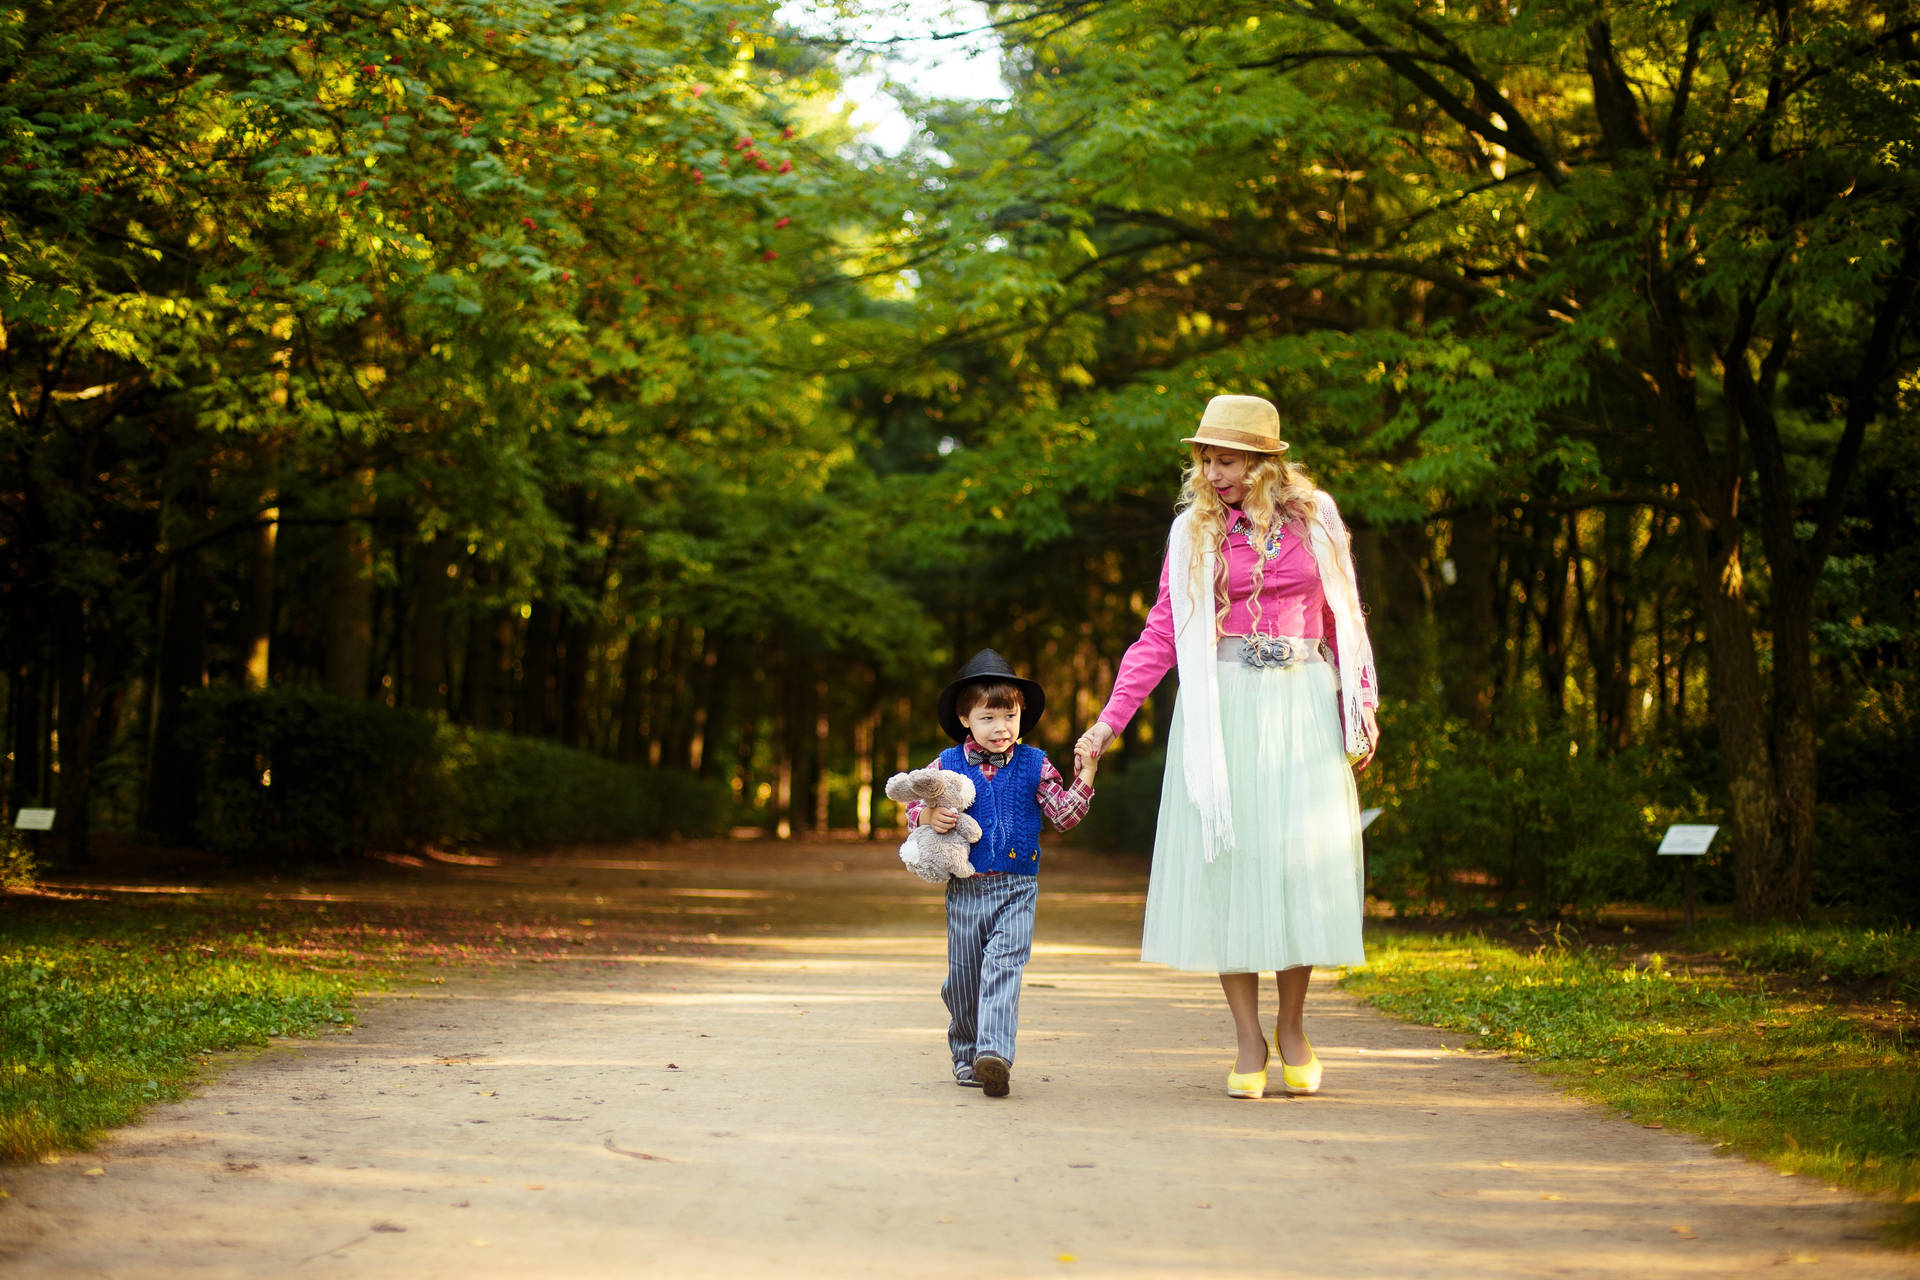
pixel 1275 540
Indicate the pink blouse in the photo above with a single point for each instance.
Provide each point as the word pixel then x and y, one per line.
pixel 1291 603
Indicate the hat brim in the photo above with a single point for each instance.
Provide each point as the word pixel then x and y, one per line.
pixel 1035 696
pixel 1221 440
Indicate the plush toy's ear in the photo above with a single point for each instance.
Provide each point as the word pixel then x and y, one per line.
pixel 900 787
pixel 929 784
pixel 959 790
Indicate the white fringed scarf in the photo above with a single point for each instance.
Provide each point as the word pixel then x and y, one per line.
pixel 1195 644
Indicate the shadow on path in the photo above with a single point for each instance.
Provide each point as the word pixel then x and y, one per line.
pixel 762 1088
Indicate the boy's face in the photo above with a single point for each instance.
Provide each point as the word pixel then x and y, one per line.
pixel 995 728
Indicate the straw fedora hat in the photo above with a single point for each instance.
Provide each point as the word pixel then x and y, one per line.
pixel 1240 422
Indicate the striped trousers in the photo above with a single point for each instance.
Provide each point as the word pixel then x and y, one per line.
pixel 989 937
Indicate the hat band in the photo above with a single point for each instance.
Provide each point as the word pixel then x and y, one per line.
pixel 1230 437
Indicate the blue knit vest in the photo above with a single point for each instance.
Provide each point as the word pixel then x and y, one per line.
pixel 1007 809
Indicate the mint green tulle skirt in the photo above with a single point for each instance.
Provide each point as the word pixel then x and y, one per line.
pixel 1292 891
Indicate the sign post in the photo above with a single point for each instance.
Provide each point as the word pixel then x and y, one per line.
pixel 36 821
pixel 1689 840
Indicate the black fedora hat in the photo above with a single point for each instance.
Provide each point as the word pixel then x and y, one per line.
pixel 988 667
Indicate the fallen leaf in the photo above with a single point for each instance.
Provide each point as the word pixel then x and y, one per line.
pixel 1508 1164
pixel 95 1172
pixel 1682 1230
pixel 1064 1257
pixel 1912 1199
pixel 481 1244
pixel 535 1186
pixel 1551 1195
pixel 1804 1257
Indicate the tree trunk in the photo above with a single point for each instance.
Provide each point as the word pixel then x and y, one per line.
pixel 260 597
pixel 349 622
pixel 74 718
pixel 167 807
pixel 630 740
pixel 534 718
pixel 817 766
pixel 426 687
pixel 576 645
pixel 1467 620
pixel 26 707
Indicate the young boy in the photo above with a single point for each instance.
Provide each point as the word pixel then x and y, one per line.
pixel 990 914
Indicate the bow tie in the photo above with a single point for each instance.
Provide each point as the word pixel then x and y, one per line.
pixel 979 755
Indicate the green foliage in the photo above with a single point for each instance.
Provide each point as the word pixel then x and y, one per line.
pixel 1126 805
pixel 498 790
pixel 1544 823
pixel 1886 959
pixel 1801 1087
pixel 92 1031
pixel 16 861
pixel 1870 808
pixel 296 775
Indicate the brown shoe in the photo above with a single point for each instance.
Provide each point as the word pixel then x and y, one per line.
pixel 992 1071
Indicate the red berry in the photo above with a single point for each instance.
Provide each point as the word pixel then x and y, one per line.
pixel 699 89
pixel 786 166
pixel 529 224
pixel 746 141
pixel 783 222
pixel 566 277
pixel 769 256
pixel 636 280
pixel 787 132
pixel 699 176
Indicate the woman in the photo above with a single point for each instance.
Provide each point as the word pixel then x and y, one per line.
pixel 1256 858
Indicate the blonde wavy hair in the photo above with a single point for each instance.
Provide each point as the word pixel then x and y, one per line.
pixel 1276 491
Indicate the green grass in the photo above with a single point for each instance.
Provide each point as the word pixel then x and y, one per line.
pixel 1782 1077
pixel 1885 960
pixel 111 1000
pixel 95 1026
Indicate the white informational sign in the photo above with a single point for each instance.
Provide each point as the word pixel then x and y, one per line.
pixel 1367 816
pixel 33 820
pixel 1685 837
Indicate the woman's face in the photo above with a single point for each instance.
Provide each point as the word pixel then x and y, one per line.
pixel 1226 471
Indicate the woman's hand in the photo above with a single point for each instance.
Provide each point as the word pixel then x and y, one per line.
pixel 1371 723
pixel 1095 740
pixel 943 820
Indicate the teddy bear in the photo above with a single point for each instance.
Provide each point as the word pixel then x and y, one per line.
pixel 928 854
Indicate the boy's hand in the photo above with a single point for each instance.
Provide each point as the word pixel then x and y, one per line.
pixel 1086 762
pixel 944 820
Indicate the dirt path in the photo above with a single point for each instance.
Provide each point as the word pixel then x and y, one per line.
pixel 781 1106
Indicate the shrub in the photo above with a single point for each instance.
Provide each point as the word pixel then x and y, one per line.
pixel 296 775
pixel 1546 823
pixel 1126 805
pixel 16 861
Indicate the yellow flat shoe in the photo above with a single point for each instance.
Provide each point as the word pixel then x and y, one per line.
pixel 1301 1079
pixel 1253 1084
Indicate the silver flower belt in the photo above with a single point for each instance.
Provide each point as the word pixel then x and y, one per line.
pixel 1272 651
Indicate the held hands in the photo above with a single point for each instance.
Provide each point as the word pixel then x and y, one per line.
pixel 1095 740
pixel 943 820
pixel 1086 752
pixel 1085 764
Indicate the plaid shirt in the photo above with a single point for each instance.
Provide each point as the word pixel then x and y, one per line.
pixel 1063 805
